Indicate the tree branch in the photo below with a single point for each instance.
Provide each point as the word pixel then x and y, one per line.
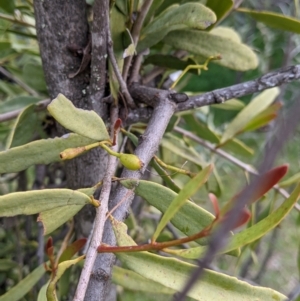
pixel 267 81
pixel 98 228
pixel 149 142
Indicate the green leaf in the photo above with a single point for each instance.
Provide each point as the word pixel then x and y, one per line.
pixel 251 234
pixel 24 127
pixel 55 217
pixel 174 273
pixel 83 122
pixel 274 20
pixel 133 281
pixel 221 8
pixel 264 117
pixel 24 286
pixel 190 219
pixel 7 264
pixel 254 108
pixel 72 249
pixel 178 147
pixel 231 105
pixel 7 6
pixel 291 180
pixel 186 192
pixel 42 293
pixel 17 103
pixel 42 151
pixel 35 201
pixel 193 15
pixel 51 290
pixel 235 55
pixel 33 75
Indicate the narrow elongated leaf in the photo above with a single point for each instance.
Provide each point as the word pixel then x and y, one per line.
pixel 51 290
pixel 72 249
pixel 231 105
pixel 264 117
pixel 292 180
pixel 234 55
pixel 133 281
pixel 17 103
pixel 178 147
pixel 274 20
pixel 254 108
pixel 251 234
pixel 24 286
pixel 174 273
pixel 35 201
pixel 42 151
pixel 188 15
pixel 23 128
pixel 190 219
pixel 186 192
pixel 83 122
pixel 42 293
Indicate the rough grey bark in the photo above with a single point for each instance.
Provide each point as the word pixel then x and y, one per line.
pixel 62 25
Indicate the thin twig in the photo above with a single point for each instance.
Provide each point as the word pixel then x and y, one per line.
pixel 18 81
pixel 267 81
pixel 246 167
pixel 41 105
pixel 99 222
pixel 117 72
pixel 135 33
pixel 220 236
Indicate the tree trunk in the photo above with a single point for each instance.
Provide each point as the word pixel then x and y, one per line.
pixel 62 26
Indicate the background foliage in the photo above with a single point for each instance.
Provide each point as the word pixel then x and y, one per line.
pixel 267 262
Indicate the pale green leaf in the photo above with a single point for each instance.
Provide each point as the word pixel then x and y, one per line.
pixel 231 105
pixel 185 193
pixel 274 20
pixel 54 218
pixel 51 289
pixel 85 123
pixel 234 55
pixel 42 293
pixel 188 15
pixel 190 219
pixel 291 180
pixel 23 128
pixel 42 151
pixel 178 147
pixel 133 281
pixel 35 201
pixel 251 234
pixel 255 107
pixel 174 274
pixel 24 286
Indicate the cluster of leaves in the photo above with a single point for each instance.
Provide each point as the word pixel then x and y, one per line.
pixel 169 25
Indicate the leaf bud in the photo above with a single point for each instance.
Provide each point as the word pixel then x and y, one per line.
pixel 71 153
pixel 131 162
